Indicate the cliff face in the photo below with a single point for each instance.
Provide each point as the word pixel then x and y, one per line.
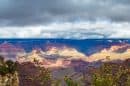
pixel 27 73
pixel 9 80
pixel 30 75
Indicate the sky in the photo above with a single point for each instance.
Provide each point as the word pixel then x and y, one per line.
pixel 68 19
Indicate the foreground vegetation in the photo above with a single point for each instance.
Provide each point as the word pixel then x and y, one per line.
pixel 111 75
pixel 108 74
pixel 8 73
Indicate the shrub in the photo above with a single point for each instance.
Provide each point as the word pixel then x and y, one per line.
pixel 111 75
pixel 70 82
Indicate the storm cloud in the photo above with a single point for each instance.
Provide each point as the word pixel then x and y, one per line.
pixel 65 18
pixel 33 12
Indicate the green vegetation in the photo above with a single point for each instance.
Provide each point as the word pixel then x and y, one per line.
pixel 70 82
pixel 111 75
pixel 45 77
pixel 108 74
pixel 56 83
pixel 8 73
pixel 7 67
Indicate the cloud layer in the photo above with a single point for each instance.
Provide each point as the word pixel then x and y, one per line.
pixel 64 19
pixel 80 30
pixel 30 12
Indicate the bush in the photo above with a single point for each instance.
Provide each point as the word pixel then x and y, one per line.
pixel 3 70
pixel 111 75
pixel 11 66
pixel 7 67
pixel 44 77
pixel 70 82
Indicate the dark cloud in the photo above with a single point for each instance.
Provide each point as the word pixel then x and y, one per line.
pixel 31 12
